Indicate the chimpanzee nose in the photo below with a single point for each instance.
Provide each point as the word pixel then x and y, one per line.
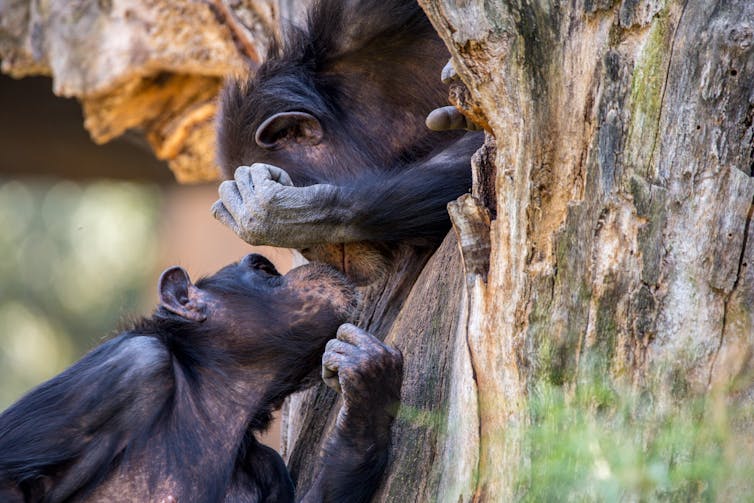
pixel 257 261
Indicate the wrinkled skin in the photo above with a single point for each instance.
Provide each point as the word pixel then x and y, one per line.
pixel 167 410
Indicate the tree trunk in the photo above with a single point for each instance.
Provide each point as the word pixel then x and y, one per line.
pixel 594 339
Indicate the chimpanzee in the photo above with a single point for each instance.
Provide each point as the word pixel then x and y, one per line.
pixel 167 410
pixel 333 127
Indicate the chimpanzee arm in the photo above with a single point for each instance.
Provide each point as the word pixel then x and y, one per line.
pixel 368 374
pixel 263 207
pixel 81 419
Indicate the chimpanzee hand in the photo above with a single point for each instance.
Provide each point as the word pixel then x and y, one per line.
pixel 264 208
pixel 449 117
pixel 368 373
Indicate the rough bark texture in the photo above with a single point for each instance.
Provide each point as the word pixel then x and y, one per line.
pixel 151 65
pixel 621 245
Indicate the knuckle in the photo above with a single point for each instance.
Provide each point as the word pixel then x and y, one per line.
pixel 265 196
pixel 264 202
pixel 245 182
pixel 370 365
pixel 224 186
pixel 345 329
pixel 380 356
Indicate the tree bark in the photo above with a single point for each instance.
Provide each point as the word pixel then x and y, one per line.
pixel 620 250
pixel 606 287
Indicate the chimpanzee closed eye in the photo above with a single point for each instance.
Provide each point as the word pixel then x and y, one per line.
pixel 260 263
pixel 167 410
pixel 327 141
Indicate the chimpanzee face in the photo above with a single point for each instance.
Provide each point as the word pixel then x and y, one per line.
pixel 250 307
pixel 304 295
pixel 278 117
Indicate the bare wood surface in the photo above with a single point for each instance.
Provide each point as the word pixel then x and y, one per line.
pixel 621 244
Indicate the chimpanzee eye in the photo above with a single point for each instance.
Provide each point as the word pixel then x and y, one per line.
pixel 257 262
pixel 267 268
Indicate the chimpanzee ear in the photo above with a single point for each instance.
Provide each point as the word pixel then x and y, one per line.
pixel 288 127
pixel 179 296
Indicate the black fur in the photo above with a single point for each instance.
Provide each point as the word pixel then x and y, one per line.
pixel 169 407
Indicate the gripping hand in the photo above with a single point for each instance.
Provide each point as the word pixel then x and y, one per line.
pixel 367 373
pixel 262 207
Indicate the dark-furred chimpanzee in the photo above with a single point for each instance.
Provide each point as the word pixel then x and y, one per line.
pixel 334 122
pixel 167 410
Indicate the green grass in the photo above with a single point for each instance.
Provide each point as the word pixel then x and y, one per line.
pixel 600 444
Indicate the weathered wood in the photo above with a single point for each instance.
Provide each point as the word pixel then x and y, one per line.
pixel 621 247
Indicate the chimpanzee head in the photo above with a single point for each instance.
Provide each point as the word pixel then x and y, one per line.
pixel 347 92
pixel 249 319
pixel 164 411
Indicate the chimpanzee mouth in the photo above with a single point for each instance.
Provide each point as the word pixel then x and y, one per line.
pixel 331 283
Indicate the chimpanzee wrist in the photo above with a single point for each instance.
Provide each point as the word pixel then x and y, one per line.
pixel 353 423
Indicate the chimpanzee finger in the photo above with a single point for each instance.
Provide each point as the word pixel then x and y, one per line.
pixel 223 216
pixel 332 363
pixel 231 198
pixel 331 380
pixel 445 118
pixel 339 347
pixel 448 72
pixel 280 175
pixel 244 183
pixel 261 173
pixel 354 335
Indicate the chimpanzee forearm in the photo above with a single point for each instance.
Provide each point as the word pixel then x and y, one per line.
pixel 368 374
pixel 263 207
pixel 351 469
pixel 412 204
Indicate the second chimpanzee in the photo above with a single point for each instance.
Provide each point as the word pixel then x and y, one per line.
pixel 167 410
pixel 338 110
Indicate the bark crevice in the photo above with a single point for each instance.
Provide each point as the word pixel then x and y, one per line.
pixel 729 296
pixel 674 38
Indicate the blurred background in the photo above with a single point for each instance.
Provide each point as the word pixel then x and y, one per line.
pixel 85 231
